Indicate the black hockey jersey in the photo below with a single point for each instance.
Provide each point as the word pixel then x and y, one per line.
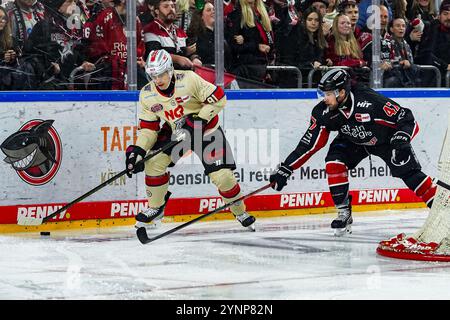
pixel 367 118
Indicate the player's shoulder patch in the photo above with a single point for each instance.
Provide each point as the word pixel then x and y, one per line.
pixel 148 87
pixel 179 76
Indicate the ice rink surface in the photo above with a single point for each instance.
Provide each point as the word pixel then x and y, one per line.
pixel 287 258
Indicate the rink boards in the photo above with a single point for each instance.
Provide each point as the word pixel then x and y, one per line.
pixel 90 131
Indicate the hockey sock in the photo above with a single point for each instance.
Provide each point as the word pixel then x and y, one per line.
pixel 156 188
pixel 337 175
pixel 229 189
pixel 422 185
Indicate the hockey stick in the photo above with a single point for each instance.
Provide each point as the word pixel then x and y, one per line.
pixel 31 221
pixel 142 233
pixel 443 184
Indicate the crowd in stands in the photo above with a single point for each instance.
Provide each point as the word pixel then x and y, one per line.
pixel 82 44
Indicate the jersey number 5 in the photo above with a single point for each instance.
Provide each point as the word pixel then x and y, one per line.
pixel 390 109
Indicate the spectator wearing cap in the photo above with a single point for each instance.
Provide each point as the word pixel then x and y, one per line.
pixel 436 47
pixel 364 13
pixel 350 9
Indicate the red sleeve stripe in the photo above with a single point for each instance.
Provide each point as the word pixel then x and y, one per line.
pixel 215 96
pixel 385 123
pixel 233 192
pixel 320 142
pixel 157 181
pixel 415 130
pixel 152 125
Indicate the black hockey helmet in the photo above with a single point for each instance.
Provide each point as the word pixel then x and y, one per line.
pixel 335 79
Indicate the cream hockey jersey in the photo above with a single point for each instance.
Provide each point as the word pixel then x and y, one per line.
pixel 192 95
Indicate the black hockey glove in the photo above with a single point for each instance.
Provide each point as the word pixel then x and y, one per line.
pixel 133 155
pixel 280 177
pixel 401 147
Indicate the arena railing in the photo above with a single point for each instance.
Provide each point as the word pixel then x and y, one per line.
pixel 289 68
pixel 323 68
pixel 436 72
pixel 427 67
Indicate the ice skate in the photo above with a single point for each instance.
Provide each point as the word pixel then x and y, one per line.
pixel 343 223
pixel 150 218
pixel 247 221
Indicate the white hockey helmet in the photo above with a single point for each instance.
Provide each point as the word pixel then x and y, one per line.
pixel 158 62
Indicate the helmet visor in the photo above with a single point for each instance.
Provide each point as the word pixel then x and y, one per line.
pixel 155 76
pixel 323 94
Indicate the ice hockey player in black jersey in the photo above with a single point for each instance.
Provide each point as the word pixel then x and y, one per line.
pixel 368 124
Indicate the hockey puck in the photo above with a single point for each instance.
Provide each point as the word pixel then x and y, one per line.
pixel 45 233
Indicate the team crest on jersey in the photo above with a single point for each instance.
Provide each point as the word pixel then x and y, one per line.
pixel 156 107
pixel 362 117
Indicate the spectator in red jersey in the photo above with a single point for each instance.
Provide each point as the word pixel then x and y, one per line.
pixel 108 47
pixel 343 48
pixel 350 9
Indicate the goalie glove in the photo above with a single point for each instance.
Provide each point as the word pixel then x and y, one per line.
pixel 280 177
pixel 401 147
pixel 134 154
